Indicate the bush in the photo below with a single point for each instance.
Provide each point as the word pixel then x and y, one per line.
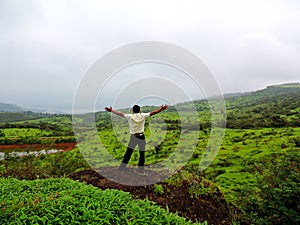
pixel 159 189
pixel 297 141
pixel 43 166
pixel 277 200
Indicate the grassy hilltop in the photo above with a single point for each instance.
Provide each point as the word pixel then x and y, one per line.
pixel 256 169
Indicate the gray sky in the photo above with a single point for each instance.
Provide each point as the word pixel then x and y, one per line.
pixel 47 46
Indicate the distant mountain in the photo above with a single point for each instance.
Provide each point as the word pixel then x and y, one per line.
pixel 275 100
pixel 270 93
pixel 274 106
pixel 7 107
pixel 232 95
pixel 15 113
pixel 291 87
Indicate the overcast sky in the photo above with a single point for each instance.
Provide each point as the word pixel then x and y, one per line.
pixel 47 46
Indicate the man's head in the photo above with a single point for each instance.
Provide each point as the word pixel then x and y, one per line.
pixel 136 109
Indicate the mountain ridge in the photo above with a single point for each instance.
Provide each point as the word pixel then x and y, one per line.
pixel 11 107
pixel 270 91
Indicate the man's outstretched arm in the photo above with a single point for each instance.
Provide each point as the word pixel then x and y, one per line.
pixel 109 109
pixel 163 107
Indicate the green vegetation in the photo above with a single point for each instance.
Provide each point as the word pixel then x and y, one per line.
pixel 23 116
pixel 276 199
pixel 61 201
pixel 43 166
pixel 241 149
pixel 38 131
pixel 275 106
pixel 159 189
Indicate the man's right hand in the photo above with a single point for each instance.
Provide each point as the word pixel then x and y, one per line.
pixel 108 109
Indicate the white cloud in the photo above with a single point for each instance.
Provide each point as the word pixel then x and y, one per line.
pixel 47 46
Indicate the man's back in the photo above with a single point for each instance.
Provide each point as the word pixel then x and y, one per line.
pixel 136 122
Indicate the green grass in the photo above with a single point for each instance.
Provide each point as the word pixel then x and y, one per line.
pixel 64 201
pixel 241 149
pixel 24 132
pixel 232 168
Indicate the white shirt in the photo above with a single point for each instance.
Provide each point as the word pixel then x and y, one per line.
pixel 136 122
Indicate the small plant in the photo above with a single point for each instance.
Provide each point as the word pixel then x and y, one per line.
pixel 201 188
pixel 198 189
pixel 159 189
pixel 297 141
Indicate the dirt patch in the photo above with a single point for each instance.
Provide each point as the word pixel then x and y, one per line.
pixel 37 147
pixel 212 208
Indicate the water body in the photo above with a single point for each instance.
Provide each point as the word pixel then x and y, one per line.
pixel 34 153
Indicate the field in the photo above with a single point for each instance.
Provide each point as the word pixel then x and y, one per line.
pixel 256 168
pixel 241 149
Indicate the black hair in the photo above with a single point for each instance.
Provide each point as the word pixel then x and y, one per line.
pixel 136 109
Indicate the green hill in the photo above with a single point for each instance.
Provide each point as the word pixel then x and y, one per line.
pixel 23 116
pixel 274 106
pixel 262 96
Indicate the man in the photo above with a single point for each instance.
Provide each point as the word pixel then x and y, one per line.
pixel 136 122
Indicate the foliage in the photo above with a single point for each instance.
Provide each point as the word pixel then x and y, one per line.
pixel 277 199
pixel 297 141
pixel 39 131
pixel 202 188
pixel 197 185
pixel 275 106
pixel 22 116
pixel 42 166
pixel 62 201
pixel 159 189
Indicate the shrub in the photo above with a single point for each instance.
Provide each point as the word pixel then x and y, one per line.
pixel 297 141
pixel 42 166
pixel 159 189
pixel 277 200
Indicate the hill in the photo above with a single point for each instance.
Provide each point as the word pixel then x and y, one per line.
pixel 261 96
pixel 274 106
pixel 23 116
pixel 7 107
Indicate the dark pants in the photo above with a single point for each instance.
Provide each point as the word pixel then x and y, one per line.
pixel 133 142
